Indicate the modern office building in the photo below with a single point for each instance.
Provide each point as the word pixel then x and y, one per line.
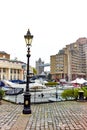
pixel 71 61
pixel 39 66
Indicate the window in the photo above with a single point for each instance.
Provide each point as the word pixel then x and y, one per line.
pixel 4 70
pixel 15 71
pixel 11 71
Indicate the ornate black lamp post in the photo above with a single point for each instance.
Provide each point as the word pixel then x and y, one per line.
pixel 27 109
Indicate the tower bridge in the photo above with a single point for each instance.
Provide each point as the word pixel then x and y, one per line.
pixel 44 65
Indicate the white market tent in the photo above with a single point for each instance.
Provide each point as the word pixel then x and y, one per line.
pixel 79 81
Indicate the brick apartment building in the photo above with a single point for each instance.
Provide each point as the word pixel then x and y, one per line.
pixel 71 61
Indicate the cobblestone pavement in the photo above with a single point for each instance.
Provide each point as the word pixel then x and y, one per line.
pixel 68 115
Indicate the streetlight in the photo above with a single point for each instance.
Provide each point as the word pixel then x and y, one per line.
pixel 27 110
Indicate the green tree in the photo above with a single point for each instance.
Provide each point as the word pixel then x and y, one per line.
pixel 68 93
pixel 85 92
pixel 76 93
pixel 2 93
pixel 34 71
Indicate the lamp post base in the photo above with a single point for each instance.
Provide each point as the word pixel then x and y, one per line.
pixel 27 109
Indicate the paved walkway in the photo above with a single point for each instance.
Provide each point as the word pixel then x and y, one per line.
pixel 68 115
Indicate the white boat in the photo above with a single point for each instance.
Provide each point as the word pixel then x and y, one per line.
pixel 67 86
pixel 32 86
pixel 55 99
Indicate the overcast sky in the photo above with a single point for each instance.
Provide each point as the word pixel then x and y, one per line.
pixel 54 24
